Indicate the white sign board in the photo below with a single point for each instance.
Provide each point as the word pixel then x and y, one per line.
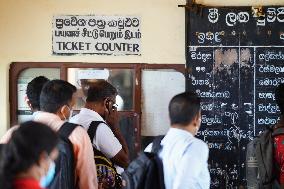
pixel 93 74
pixel 93 34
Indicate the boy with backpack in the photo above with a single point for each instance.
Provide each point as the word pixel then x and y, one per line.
pixel 56 101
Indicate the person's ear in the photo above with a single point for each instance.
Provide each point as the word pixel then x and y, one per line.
pixel 28 102
pixel 106 103
pixel 63 112
pixel 197 120
pixel 43 163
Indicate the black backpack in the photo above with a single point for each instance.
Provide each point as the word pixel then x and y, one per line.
pixel 146 171
pixel 65 164
pixel 106 171
pixel 261 169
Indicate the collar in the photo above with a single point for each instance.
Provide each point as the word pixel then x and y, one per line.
pixel 35 113
pixel 92 113
pixel 49 119
pixel 174 132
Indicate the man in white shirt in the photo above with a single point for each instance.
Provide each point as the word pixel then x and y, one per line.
pixel 184 157
pixel 101 98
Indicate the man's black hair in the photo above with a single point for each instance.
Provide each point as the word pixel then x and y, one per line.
pixel 279 97
pixel 34 89
pixel 183 108
pixel 55 94
pixel 100 90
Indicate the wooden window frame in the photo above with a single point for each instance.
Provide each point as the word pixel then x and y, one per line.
pixel 16 69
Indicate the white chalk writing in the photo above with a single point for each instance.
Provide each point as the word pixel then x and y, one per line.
pixel 271 69
pixel 200 69
pixel 213 15
pixel 209 36
pixel 269 108
pixel 229 133
pixel 271 56
pixel 232 18
pixel 267 121
pixel 200 56
pixel 280 14
pixel 271 14
pixel 215 145
pixel 281 36
pixel 271 81
pixel 200 82
pixel 234 116
pixel 207 107
pixel 211 120
pixel 213 94
pixel 266 96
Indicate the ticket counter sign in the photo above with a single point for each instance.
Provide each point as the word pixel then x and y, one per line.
pixel 93 34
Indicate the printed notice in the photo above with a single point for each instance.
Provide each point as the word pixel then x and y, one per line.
pixel 94 34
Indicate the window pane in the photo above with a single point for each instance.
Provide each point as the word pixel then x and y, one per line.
pixel 129 132
pixel 121 79
pixel 23 111
pixel 158 87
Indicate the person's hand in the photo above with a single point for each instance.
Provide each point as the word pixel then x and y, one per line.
pixel 100 186
pixel 111 115
pixel 103 184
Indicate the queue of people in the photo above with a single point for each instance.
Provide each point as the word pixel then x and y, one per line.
pixel 36 153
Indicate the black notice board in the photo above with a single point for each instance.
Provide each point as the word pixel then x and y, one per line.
pixel 236 59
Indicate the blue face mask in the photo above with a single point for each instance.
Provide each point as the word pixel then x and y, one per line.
pixel 46 180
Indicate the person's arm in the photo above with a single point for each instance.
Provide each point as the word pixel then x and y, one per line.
pixel 109 145
pixel 8 135
pixel 122 157
pixel 84 156
pixel 195 160
pixel 148 148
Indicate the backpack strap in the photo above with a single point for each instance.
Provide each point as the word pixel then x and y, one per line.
pixel 92 133
pixel 66 129
pixel 157 144
pixel 93 129
pixel 64 132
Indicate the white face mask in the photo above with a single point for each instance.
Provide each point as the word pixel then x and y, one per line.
pixel 70 114
pixel 84 98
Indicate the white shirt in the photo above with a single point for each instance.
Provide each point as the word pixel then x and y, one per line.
pixel 104 139
pixel 184 160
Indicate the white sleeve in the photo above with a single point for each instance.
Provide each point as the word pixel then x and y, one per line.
pixel 195 160
pixel 106 142
pixel 148 148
